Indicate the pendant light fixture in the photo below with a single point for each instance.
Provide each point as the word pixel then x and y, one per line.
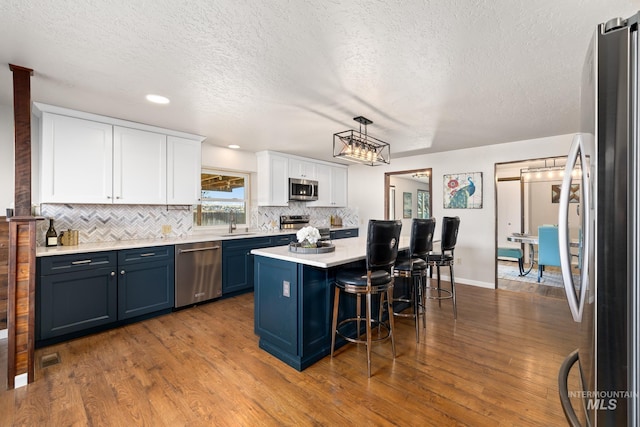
pixel 359 147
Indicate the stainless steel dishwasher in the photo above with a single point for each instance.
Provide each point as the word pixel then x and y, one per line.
pixel 198 272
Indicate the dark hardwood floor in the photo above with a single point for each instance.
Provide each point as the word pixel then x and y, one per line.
pixel 496 365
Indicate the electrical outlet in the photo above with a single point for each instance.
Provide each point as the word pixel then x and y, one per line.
pixel 166 229
pixel 286 289
pixel 459 261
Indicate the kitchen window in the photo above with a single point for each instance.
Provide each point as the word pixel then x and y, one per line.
pixel 223 194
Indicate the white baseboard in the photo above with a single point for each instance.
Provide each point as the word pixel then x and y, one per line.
pixel 463 281
pixel 4 333
pixel 21 380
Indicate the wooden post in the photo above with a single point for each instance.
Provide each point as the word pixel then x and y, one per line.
pixel 22 119
pixel 21 300
pixel 22 242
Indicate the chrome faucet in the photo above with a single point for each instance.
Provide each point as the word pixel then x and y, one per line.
pixel 232 221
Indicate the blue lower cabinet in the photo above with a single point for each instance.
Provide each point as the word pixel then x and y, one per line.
pixel 293 311
pixel 75 293
pixel 85 293
pixel 237 261
pixel 146 281
pixel 344 234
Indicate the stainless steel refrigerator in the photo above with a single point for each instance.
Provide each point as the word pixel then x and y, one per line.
pixel 601 281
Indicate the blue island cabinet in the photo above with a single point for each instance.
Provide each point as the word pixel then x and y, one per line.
pixel 293 307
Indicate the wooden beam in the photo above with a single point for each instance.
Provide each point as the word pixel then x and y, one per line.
pixel 21 298
pixel 22 118
pixel 4 270
pixel 22 241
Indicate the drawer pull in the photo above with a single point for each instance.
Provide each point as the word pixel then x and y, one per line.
pixel 84 261
pixel 148 254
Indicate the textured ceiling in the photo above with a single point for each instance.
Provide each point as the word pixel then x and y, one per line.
pixel 286 75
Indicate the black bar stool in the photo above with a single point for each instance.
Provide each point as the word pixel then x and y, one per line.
pixel 377 279
pixel 415 267
pixel 450 226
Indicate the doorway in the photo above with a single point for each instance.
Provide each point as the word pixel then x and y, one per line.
pixel 407 195
pixel 524 200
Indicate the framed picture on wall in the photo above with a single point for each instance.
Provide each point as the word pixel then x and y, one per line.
pixel 406 205
pixel 462 190
pixel 574 193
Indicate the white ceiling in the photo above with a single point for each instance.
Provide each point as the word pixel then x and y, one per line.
pixel 286 75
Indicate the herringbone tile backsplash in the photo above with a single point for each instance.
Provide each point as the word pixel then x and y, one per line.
pixel 105 223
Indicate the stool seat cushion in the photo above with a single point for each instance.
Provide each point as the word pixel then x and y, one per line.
pixel 358 277
pixel 406 265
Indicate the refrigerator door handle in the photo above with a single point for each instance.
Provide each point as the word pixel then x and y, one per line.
pixel 576 303
pixel 563 389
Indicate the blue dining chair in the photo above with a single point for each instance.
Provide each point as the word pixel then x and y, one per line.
pixel 548 248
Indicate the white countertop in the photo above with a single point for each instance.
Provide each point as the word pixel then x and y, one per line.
pixel 141 243
pixel 347 250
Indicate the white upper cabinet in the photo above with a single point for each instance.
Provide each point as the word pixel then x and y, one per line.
pixel 183 171
pixel 139 167
pixel 86 158
pixel 275 169
pixel 302 169
pixel 76 160
pixel 332 186
pixel 339 176
pixel 273 179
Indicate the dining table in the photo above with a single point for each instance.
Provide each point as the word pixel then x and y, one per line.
pixel 533 241
pixel 526 239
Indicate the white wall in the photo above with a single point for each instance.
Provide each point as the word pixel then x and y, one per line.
pixel 7 184
pixel 226 158
pixel 476 239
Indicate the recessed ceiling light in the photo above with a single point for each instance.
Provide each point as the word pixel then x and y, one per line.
pixel 234 146
pixel 157 99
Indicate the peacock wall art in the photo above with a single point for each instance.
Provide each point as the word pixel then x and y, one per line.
pixel 462 190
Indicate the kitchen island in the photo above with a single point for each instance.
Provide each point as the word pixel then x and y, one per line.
pixel 294 299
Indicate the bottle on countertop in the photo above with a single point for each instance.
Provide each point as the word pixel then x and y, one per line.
pixel 51 236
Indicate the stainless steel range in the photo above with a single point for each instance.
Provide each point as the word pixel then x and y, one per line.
pixel 296 222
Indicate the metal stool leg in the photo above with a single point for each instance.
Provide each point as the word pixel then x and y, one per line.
pixel 368 319
pixel 391 321
pixel 453 293
pixel 416 304
pixel 439 292
pixel 334 322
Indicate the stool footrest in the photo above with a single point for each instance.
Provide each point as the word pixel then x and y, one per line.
pixel 374 324
pixel 449 294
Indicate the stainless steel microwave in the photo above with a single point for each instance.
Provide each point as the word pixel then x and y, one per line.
pixel 303 189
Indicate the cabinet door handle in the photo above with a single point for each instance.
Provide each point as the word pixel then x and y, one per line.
pixel 148 254
pixel 122 272
pixel 113 273
pixel 84 261
pixel 108 197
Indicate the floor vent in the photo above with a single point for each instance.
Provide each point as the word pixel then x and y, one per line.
pixel 49 360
